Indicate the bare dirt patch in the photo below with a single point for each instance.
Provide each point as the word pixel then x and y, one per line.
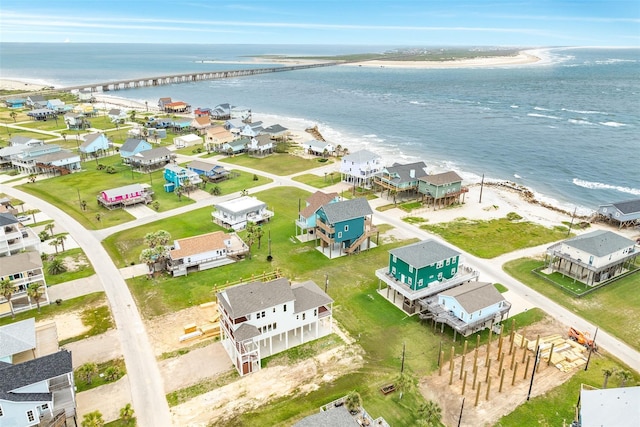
pixel 75 263
pixel 275 382
pixel 69 324
pixel 436 387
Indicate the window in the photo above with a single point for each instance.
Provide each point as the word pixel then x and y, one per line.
pixel 346 228
pixel 30 416
pixel 453 271
pixel 274 326
pixel 45 406
pixel 263 314
pixel 410 281
pixel 274 309
pixel 410 269
pixel 393 258
pixel 448 261
pixel 439 265
pixel 393 270
pixel 339 234
pixel 315 311
pixel 439 276
pixel 304 315
pixel 1 411
pixel 285 307
pixel 257 315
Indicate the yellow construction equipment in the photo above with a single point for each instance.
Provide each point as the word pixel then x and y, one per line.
pixel 582 338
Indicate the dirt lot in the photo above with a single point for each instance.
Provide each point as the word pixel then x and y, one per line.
pixel 488 411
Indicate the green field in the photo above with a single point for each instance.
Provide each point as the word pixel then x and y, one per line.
pixel 488 239
pixel 277 164
pixel 76 257
pixel 318 181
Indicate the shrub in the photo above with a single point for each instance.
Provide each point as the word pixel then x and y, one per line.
pixel 512 216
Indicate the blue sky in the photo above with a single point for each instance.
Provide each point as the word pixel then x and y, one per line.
pixel 360 22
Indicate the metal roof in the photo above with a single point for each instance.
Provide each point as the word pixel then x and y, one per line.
pixel 442 178
pixel 600 242
pixel 474 296
pixel 17 337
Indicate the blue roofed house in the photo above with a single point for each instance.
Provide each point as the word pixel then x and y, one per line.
pixel 307 217
pixel 58 106
pixel 345 227
pixel 625 214
pixel 179 176
pixel 593 258
pixel 95 143
pixel 360 167
pixel 441 189
pixel 132 147
pixel 15 102
pixel 399 179
pixel 38 392
pixel 421 270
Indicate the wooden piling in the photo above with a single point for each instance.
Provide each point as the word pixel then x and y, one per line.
pixel 475 357
pixel 511 344
pixel 488 389
pixel 488 372
pixel 501 380
pixel 513 359
pixel 464 382
pixel 526 367
pixel 441 360
pixel 550 355
pixel 464 350
pixel 477 340
pixel 462 366
pixel 524 354
pixel 477 395
pixel 515 372
pixel 501 363
pixel 451 374
pixel 500 345
pixel 453 350
pixel 475 375
pixel 522 342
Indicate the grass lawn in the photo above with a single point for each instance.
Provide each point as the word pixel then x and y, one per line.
pixel 318 181
pixel 101 378
pixel 277 164
pixel 67 191
pixel 49 125
pixel 557 407
pixel 97 317
pixel 488 239
pixel 27 134
pixel 101 122
pixel 74 258
pixel 615 307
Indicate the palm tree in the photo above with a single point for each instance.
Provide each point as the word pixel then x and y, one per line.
pixel 55 243
pixel 216 191
pixel 61 240
pixel 353 402
pixel 132 115
pixel 338 149
pixel 251 235
pixel 7 290
pixel 607 372
pixel 43 235
pixel 98 216
pixel 405 383
pixel 179 192
pixel 147 256
pixel 83 205
pixel 112 373
pixel 624 376
pixel 56 266
pixel 258 232
pixel 32 177
pixel 88 371
pixel 13 115
pixel 33 213
pixel 127 412
pixel 157 238
pixel 431 413
pixel 49 228
pixel 93 419
pixel 33 292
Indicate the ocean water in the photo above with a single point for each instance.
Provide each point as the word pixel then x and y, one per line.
pixel 568 127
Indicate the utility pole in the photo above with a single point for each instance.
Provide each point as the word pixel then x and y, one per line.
pixel 402 366
pixel 481 187
pixel 571 224
pixel 461 408
pixel 326 282
pixel 591 347
pixel 533 373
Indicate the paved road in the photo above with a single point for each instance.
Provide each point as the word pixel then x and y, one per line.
pixel 145 381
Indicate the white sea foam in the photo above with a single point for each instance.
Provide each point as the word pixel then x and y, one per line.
pixel 545 116
pixel 601 186
pixel 515 175
pixel 584 111
pixel 515 106
pixel 541 109
pixel 580 122
pixel 613 124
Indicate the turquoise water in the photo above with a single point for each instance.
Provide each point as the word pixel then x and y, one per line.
pixel 567 128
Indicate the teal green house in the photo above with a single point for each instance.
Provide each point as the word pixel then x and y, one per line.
pixel 442 189
pixel 423 263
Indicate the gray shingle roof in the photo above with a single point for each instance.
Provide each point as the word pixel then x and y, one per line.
pixel 347 209
pixel 17 337
pixel 442 178
pixel 245 332
pixel 131 144
pixel 629 206
pixel 154 153
pixel 201 166
pixel 474 296
pixel 404 172
pixel 315 201
pixel 255 296
pixel 424 253
pixel 8 219
pixel 13 377
pixel 18 263
pixel 600 242
pixel 308 295
pixel 274 129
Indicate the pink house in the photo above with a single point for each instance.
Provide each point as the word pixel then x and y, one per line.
pixel 125 196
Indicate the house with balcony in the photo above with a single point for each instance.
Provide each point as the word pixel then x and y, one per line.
pixel 202 112
pixel 24 141
pixel 360 167
pixel 176 107
pixel 22 269
pixel 624 214
pixel 319 148
pixel 201 124
pixel 19 341
pixel 95 143
pixel 307 217
pixel 133 146
pixel 400 179
pixel 593 258
pixel 236 146
pixel 221 112
pixel 216 137
pixel 38 392
pixel 15 237
pixel 467 308
pixel 152 159
pixel 236 213
pixel 251 130
pixel 345 227
pixel 276 131
pixel 48 158
pixel 206 251
pixel 212 172
pixel 421 270
pixel 441 189
pixel 177 176
pixel 128 195
pixel 117 115
pixel 260 319
pixel 15 102
pixel 241 113
pixel 36 101
pixel 260 145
